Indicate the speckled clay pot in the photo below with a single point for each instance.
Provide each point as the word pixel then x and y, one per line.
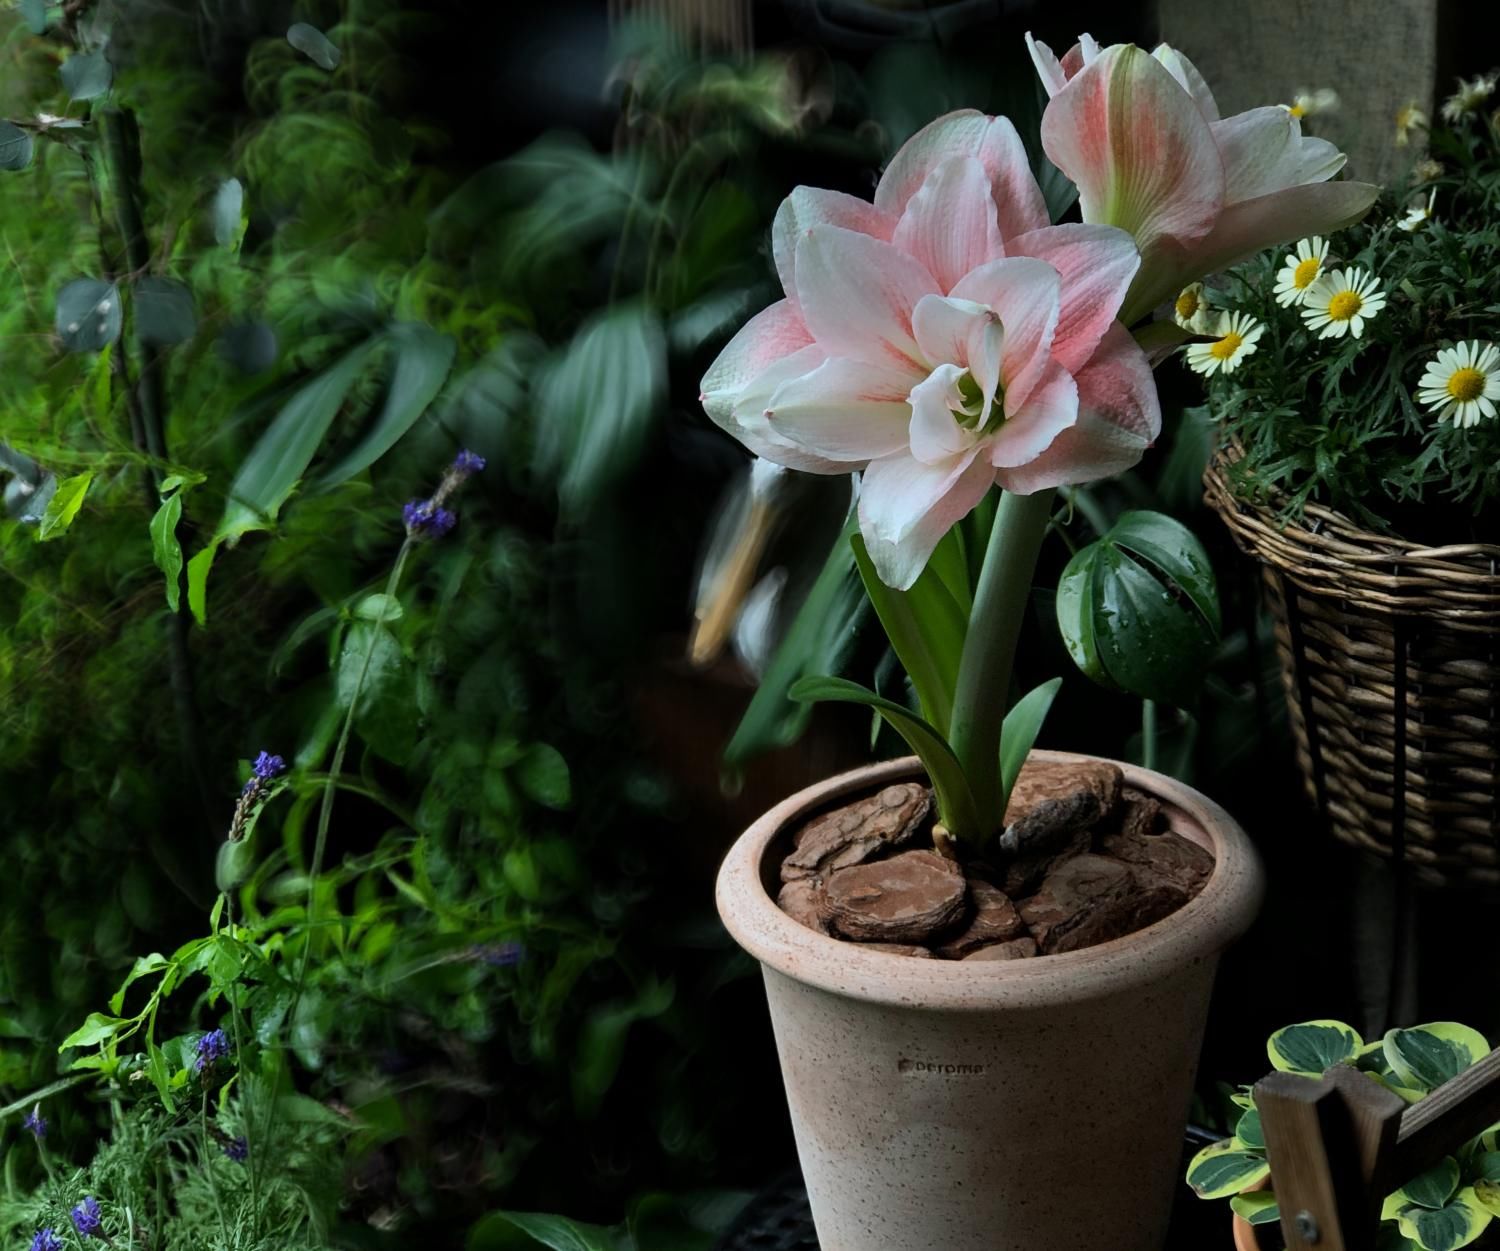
pixel 1028 1105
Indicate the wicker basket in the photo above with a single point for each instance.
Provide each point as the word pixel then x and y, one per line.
pixel 1390 653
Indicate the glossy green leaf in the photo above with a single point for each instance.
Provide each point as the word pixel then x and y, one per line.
pixel 1249 1131
pixel 423 358
pixel 314 45
pixel 555 1232
pixel 380 607
pixel 197 582
pixel 544 775
pixel 97 1028
pixel 598 401
pixel 1138 609
pixel 228 213
pixel 955 800
pixel 1313 1047
pixel 164 312
pixel 1022 724
pixel 15 147
pixel 62 508
pixel 1259 1207
pixel 88 316
pixel 816 643
pixel 1429 1055
pixel 370 658
pixel 1225 1169
pixel 283 453
pixel 87 75
pixel 167 551
pixel 144 966
pixel 34 14
pixel 926 628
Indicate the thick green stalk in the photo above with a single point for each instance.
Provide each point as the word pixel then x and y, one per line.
pixel 979 704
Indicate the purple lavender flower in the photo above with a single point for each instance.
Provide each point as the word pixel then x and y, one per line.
pixel 501 955
pixel 86 1218
pixel 46 1240
pixel 268 766
pixel 35 1122
pixel 426 520
pixel 468 463
pixel 238 1149
pixel 212 1047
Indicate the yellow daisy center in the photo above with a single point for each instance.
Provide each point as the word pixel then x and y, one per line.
pixel 1187 304
pixel 1466 384
pixel 1345 305
pixel 1306 271
pixel 1297 110
pixel 1226 347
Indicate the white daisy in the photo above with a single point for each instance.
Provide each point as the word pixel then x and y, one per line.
pixel 1471 93
pixel 1307 103
pixel 1194 311
pixel 1462 383
pixel 1419 214
pixel 1239 333
pixel 1301 269
pixel 1410 117
pixel 1342 301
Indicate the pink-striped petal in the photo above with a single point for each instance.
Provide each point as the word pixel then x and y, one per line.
pixel 844 410
pixel 905 508
pixel 1024 292
pixel 1186 73
pixel 1281 217
pixel 857 295
pixel 1264 150
pixel 1138 148
pixel 807 207
pixel 1097 265
pixel 994 142
pixel 1048 68
pixel 1119 417
pixel 770 335
pixel 1030 430
pixel 950 224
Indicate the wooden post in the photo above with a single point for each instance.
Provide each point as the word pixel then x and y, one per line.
pixel 1340 1143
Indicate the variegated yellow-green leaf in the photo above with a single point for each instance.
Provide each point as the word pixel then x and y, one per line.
pixel 1391 1238
pixel 1259 1207
pixel 1454 1225
pixel 1433 1188
pixel 1429 1055
pixel 1242 1099
pixel 1313 1047
pixel 1226 1168
pixel 1487 1195
pixel 1249 1131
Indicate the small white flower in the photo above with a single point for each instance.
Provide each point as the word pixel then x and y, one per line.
pixel 1306 103
pixel 1194 311
pixel 1462 383
pixel 1301 269
pixel 1419 213
pixel 1239 333
pixel 1410 117
pixel 1342 301
pixel 1471 93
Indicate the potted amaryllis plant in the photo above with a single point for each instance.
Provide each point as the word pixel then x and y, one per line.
pixel 962 956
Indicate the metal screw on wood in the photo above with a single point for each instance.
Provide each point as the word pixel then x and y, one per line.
pixel 1307 1228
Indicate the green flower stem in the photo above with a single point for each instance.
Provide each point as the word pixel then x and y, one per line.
pixel 1148 733
pixel 983 691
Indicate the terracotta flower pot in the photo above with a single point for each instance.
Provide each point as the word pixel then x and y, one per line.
pixel 1006 1106
pixel 1245 1237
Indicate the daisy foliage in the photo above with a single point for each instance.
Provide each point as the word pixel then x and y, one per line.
pixel 1372 383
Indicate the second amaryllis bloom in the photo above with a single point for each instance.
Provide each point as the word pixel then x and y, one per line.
pixel 942 339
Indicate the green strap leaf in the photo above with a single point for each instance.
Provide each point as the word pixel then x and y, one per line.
pixel 1022 724
pixel 926 628
pixel 955 799
pixel 423 359
pixel 281 457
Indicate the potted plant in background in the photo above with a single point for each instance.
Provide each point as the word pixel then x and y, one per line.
pixel 1449 1206
pixel 1356 378
pixel 957 977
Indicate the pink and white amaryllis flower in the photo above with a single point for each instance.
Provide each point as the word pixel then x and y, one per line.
pixel 942 339
pixel 1141 136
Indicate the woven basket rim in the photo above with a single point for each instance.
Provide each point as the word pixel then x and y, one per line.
pixel 1327 553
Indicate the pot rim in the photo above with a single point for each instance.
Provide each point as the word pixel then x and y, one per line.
pixel 1200 929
